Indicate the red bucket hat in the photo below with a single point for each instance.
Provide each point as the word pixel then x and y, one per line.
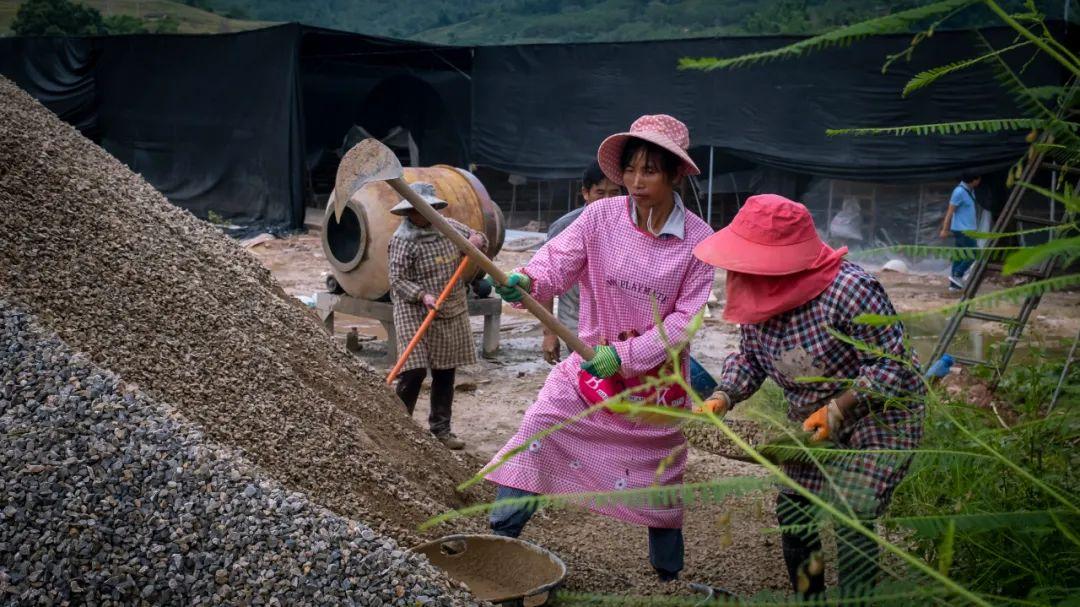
pixel 663 130
pixel 770 236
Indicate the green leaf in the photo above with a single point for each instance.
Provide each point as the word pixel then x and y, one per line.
pixel 940 526
pixel 945 549
pixel 996 235
pixel 1045 92
pixel 1069 247
pixel 928 77
pixel 1069 198
pixel 662 495
pixel 992 125
pixel 889 24
pixel 952 253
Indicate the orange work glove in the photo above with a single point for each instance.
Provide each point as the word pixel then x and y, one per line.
pixel 823 422
pixel 718 405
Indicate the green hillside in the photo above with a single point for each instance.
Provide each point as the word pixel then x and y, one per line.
pixel 190 20
pixel 483 22
pixel 480 22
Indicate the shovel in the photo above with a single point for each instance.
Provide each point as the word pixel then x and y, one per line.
pixel 370 161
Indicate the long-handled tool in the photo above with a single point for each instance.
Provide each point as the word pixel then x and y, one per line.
pixel 370 161
pixel 427 320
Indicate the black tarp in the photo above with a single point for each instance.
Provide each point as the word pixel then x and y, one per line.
pixel 225 122
pixel 379 84
pixel 541 110
pixel 58 72
pixel 213 122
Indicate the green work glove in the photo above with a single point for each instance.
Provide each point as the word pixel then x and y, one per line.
pixel 510 291
pixel 605 362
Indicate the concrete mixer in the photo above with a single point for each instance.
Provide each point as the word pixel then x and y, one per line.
pixel 357 245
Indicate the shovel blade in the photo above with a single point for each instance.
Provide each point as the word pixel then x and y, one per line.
pixel 367 161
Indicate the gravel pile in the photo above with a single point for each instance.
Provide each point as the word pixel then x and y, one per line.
pixel 168 303
pixel 113 498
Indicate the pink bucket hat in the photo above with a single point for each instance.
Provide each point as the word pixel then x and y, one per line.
pixel 770 236
pixel 661 129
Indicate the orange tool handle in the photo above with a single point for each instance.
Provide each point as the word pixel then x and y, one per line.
pixel 427 320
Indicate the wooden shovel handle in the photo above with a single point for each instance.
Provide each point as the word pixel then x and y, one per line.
pixel 427 320
pixel 481 260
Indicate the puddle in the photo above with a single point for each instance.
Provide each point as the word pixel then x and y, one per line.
pixel 982 340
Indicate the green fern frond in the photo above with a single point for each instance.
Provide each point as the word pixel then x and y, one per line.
pixel 990 125
pixel 1031 256
pixel 935 526
pixel 1046 93
pixel 1069 198
pixel 889 24
pixel 806 454
pixel 1063 154
pixel 1011 82
pixel 936 252
pixel 998 235
pixel 868 348
pixel 1031 289
pixel 928 77
pixel 1066 59
pixel 479 476
pixel 1069 532
pixel 688 494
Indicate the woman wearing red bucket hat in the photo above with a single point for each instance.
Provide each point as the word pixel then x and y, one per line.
pixel 792 294
pixel 633 258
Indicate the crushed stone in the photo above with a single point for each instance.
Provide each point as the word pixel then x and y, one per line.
pixel 113 498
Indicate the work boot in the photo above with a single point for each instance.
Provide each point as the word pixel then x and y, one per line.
pixel 451 441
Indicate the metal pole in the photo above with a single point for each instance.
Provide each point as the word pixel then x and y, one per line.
pixel 708 212
pixel 1053 205
pixel 1064 374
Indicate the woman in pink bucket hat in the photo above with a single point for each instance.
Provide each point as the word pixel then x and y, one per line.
pixel 791 294
pixel 632 257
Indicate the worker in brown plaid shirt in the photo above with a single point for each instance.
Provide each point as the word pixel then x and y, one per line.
pixel 422 261
pixel 795 299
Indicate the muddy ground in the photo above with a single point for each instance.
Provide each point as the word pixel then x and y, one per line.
pixel 605 555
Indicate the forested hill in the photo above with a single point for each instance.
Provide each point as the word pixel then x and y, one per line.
pixel 480 22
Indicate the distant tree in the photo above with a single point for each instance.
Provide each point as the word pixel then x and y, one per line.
pixel 124 24
pixel 56 18
pixel 236 12
pixel 781 17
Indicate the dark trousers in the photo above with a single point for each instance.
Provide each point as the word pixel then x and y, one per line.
pixel 666 547
pixel 857 554
pixel 960 266
pixel 442 395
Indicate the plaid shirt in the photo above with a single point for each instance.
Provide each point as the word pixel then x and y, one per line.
pixel 798 343
pixel 421 260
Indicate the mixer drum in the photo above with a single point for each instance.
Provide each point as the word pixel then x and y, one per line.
pixel 357 245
